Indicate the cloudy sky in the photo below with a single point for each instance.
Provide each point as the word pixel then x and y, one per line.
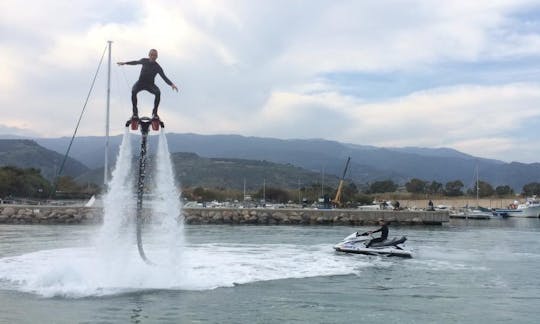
pixel 459 74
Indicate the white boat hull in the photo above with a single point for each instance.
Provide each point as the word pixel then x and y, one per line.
pixel 530 209
pixel 528 212
pixel 356 243
pixel 390 251
pixel 472 214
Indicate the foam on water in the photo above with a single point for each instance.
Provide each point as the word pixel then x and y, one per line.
pixel 80 272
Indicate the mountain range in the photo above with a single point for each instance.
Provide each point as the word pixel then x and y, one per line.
pixel 368 163
pixel 28 154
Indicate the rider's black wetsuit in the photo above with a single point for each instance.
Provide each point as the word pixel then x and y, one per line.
pixel 146 82
pixel 384 235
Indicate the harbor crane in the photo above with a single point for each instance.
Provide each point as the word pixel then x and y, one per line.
pixel 337 200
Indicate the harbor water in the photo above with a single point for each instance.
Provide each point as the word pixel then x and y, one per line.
pixel 483 271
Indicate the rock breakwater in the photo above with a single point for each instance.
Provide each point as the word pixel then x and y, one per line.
pixel 49 215
pixel 11 214
pixel 309 216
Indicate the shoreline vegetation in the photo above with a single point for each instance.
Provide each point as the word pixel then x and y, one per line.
pixel 27 186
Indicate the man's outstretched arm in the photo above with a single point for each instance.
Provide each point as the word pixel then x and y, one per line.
pixel 130 62
pixel 169 82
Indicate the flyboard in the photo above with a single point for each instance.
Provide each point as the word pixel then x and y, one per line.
pixel 144 124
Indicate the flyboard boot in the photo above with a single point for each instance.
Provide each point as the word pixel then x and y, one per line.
pixel 134 122
pixel 156 121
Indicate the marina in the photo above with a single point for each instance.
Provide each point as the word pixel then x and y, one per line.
pixel 316 165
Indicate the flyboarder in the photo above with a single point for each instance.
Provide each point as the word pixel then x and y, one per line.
pixel 146 82
pixel 150 68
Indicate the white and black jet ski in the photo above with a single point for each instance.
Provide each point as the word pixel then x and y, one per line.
pixel 356 243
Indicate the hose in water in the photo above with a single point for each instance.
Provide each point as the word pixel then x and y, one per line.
pixel 140 189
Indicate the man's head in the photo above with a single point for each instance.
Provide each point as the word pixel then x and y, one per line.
pixel 152 55
pixel 382 221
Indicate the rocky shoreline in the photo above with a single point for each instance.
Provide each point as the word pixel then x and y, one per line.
pixel 10 214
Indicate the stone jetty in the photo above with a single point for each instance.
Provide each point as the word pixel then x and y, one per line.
pixel 15 214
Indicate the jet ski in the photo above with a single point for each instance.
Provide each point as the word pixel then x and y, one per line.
pixel 356 243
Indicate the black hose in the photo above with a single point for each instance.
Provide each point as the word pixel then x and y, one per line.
pixel 140 189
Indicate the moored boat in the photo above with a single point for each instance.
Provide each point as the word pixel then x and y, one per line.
pixel 473 213
pixel 530 209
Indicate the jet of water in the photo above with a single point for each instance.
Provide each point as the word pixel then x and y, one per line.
pixel 119 204
pixel 163 237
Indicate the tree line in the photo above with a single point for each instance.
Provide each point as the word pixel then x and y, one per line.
pixel 29 183
pixel 352 194
pixel 456 188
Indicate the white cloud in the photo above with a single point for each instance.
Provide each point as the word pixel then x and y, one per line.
pixel 469 118
pixel 14 132
pixel 255 68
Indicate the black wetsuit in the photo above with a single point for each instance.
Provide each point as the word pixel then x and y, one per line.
pixel 384 235
pixel 146 82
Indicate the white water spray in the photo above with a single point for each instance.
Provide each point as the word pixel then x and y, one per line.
pixel 163 231
pixel 166 206
pixel 118 205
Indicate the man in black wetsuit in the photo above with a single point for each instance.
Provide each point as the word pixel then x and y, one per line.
pixel 146 81
pixel 384 233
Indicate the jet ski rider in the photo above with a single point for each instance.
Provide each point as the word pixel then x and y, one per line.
pixel 384 233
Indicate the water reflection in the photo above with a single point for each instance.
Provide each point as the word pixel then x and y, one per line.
pixel 137 313
pixel 511 222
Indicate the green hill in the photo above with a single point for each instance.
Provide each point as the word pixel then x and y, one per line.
pixel 28 154
pixel 192 171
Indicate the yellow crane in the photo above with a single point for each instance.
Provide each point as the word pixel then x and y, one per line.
pixel 337 199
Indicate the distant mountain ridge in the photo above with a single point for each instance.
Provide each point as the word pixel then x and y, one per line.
pixel 440 152
pixel 28 154
pixel 368 163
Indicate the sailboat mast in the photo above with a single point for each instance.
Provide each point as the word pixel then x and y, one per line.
pixel 264 191
pixel 106 167
pixel 477 187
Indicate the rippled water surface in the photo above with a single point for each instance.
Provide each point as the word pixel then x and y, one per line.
pixel 475 272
